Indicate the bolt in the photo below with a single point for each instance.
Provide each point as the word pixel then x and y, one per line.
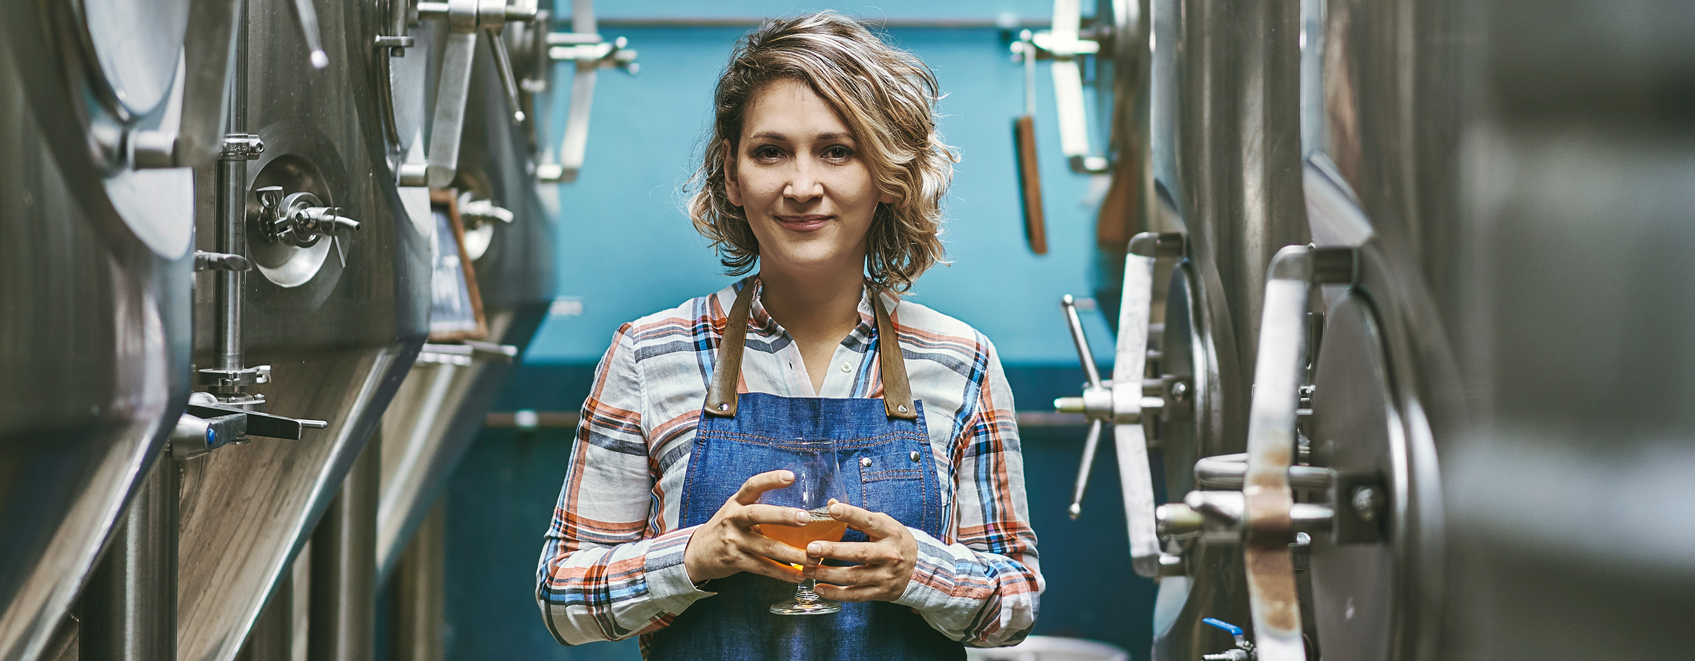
pixel 1179 391
pixel 1366 502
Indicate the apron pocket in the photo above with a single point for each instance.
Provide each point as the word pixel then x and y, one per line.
pixel 894 485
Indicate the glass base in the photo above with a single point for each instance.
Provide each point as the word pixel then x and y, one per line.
pixel 815 606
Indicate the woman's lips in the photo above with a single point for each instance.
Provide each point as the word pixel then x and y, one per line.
pixel 803 223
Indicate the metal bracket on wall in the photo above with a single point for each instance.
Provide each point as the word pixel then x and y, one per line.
pixel 1065 46
pixel 583 46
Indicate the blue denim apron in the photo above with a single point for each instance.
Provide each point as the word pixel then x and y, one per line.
pixel 881 445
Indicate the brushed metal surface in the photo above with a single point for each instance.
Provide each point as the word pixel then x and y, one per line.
pixel 440 408
pixel 338 344
pixel 1226 94
pixel 93 344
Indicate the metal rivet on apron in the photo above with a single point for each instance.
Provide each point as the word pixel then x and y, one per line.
pixel 914 456
pixel 901 408
pixel 865 461
pixel 846 368
pixel 723 407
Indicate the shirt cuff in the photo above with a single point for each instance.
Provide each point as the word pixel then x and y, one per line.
pixel 667 576
pixel 918 595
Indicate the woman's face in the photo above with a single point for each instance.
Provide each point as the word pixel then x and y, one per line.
pixel 798 176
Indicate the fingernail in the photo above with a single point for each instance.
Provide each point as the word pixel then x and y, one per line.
pixel 802 517
pixel 788 476
pixel 815 548
pixel 838 510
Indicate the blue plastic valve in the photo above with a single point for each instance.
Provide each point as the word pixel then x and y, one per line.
pixel 1233 629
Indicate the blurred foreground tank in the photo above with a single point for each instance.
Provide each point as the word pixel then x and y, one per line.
pixel 96 257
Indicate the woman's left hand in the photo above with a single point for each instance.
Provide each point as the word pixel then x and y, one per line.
pixel 886 561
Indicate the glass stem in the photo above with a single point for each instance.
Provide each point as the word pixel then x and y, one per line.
pixel 804 593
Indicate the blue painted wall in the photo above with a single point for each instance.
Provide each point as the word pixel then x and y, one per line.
pixel 626 249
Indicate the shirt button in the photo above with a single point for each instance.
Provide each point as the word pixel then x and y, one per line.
pixel 846 368
pixel 865 461
pixel 914 457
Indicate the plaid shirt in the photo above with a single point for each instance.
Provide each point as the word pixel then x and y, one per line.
pixel 612 565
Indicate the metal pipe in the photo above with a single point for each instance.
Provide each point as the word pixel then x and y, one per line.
pixel 420 595
pixel 129 606
pixel 342 621
pixel 232 208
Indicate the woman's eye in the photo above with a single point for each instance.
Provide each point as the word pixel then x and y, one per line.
pixel 838 153
pixel 766 151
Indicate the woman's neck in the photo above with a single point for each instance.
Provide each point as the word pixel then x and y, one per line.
pixel 816 311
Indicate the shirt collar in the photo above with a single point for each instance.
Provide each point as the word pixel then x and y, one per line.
pixel 761 322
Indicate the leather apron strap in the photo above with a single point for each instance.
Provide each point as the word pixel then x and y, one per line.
pixel 721 394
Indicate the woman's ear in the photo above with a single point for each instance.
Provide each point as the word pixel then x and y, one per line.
pixel 886 198
pixel 732 183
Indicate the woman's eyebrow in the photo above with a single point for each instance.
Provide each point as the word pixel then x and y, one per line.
pixel 773 135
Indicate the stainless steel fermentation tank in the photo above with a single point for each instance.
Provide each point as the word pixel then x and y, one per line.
pixel 338 318
pixel 95 267
pixel 503 155
pixel 1496 195
pixel 441 405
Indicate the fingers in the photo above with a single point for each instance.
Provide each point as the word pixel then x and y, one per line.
pixel 760 545
pixel 771 569
pixel 750 515
pixel 862 575
pixel 875 525
pixel 860 552
pixel 761 483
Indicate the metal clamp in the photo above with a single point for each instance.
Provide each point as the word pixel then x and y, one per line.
pixel 402 15
pixel 584 46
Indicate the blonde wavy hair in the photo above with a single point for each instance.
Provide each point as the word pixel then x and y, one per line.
pixel 885 95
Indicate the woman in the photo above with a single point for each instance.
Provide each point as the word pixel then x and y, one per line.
pixel 823 169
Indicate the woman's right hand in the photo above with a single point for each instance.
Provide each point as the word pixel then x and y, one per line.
pixel 730 543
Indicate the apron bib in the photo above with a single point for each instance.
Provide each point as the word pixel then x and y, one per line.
pixel 882 447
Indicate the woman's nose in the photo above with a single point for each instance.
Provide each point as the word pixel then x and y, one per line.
pixel 804 185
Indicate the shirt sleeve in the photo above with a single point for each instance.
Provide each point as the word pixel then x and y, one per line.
pixel 605 573
pixel 982 587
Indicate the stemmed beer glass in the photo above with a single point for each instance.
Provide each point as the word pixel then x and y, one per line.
pixel 815 487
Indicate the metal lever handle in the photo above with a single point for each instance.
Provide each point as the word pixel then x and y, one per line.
pixel 508 80
pixel 1268 512
pixel 218 261
pixel 327 220
pixel 308 16
pixel 1080 341
pixel 477 212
